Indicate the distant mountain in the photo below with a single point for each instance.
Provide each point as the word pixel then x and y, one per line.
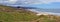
pixel 27 7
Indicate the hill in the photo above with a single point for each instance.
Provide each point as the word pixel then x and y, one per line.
pixel 10 14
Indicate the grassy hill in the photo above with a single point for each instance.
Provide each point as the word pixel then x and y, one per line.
pixel 9 14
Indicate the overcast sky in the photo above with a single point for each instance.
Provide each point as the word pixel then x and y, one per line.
pixel 49 4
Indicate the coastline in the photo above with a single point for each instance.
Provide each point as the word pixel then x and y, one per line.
pixel 39 12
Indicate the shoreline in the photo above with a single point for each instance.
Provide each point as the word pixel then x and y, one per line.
pixel 58 14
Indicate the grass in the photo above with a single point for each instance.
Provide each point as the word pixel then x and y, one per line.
pixel 9 14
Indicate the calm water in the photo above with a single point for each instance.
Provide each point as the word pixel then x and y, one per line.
pixel 49 11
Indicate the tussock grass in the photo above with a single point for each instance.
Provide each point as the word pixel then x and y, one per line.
pixel 9 14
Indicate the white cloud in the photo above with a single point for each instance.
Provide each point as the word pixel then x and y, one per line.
pixel 8 1
pixel 49 1
pixel 29 1
pixel 12 1
pixel 39 1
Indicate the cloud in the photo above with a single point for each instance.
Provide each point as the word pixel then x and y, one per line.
pixel 8 1
pixel 12 1
pixel 29 1
pixel 39 1
pixel 49 1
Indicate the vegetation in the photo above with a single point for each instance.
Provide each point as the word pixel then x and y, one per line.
pixel 9 14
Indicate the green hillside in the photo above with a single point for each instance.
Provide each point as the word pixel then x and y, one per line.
pixel 10 14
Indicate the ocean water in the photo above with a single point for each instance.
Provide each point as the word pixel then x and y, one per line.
pixel 49 11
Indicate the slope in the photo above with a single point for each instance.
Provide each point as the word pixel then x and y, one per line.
pixel 10 14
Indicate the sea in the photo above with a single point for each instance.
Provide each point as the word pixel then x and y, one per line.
pixel 39 10
pixel 48 11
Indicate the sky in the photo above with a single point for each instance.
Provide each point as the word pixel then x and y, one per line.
pixel 46 4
